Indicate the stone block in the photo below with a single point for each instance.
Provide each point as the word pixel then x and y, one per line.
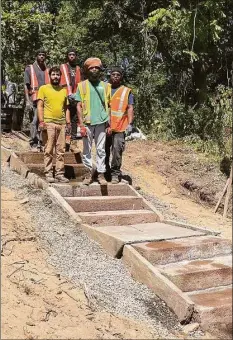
pixel 199 274
pixel 113 238
pixel 190 248
pixel 145 273
pixel 119 217
pixel 17 165
pixel 213 310
pixel 105 203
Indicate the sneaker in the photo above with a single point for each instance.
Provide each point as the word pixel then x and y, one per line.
pixel 50 179
pixel 101 179
pixel 115 180
pixel 62 179
pixel 88 179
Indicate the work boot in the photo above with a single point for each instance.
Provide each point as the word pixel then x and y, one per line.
pixel 50 178
pixel 74 147
pixel 88 179
pixel 115 180
pixel 62 179
pixel 101 179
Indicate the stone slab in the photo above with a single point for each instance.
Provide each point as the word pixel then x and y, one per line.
pixel 213 310
pixel 69 190
pixel 104 203
pixel 191 248
pixel 38 157
pixel 104 190
pixel 17 165
pixel 119 217
pixel 113 238
pixel 199 274
pixel 145 273
pixel 72 171
pixel 58 199
pixel 5 154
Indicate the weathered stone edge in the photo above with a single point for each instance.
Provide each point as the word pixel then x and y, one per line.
pixel 192 227
pixel 144 272
pixel 151 207
pixel 58 199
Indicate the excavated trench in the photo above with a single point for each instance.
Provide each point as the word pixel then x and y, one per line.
pixel 187 267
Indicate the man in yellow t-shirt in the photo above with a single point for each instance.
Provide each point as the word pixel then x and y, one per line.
pixel 54 118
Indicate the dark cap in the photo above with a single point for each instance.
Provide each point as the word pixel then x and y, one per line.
pixel 41 50
pixel 71 49
pixel 117 69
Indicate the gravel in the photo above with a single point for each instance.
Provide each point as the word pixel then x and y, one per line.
pixel 84 262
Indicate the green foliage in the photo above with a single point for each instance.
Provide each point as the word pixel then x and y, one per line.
pixel 177 55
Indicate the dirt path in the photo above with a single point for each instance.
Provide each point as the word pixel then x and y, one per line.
pixel 37 303
pixel 161 170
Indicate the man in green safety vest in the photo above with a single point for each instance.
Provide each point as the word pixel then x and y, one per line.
pixel 93 101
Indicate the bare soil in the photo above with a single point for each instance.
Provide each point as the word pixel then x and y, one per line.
pixel 37 303
pixel 188 182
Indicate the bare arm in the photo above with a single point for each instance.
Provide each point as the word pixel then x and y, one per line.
pixel 40 110
pixel 67 116
pixel 130 113
pixel 80 114
pixel 26 93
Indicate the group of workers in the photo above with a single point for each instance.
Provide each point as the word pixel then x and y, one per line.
pixel 62 99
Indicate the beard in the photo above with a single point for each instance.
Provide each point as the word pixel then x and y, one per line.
pixel 55 81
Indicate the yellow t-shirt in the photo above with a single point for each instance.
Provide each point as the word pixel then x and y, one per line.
pixel 55 99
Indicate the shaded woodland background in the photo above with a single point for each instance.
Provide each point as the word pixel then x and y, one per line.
pixel 177 57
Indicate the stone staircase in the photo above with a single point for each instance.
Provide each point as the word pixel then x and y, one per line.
pixel 190 268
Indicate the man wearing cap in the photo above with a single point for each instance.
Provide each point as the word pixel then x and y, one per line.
pixel 35 76
pixel 93 100
pixel 121 119
pixel 70 78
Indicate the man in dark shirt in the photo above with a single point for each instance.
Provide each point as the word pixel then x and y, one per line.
pixel 35 76
pixel 70 78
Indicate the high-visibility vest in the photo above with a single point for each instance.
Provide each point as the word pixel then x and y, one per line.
pixel 34 82
pixel 66 81
pixel 84 89
pixel 119 103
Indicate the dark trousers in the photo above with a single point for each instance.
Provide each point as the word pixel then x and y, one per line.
pixel 115 144
pixel 35 139
pixel 74 121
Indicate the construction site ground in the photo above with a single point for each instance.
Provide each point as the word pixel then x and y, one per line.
pixel 44 297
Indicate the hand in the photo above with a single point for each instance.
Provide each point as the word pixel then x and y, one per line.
pixel 68 129
pixel 108 131
pixel 71 99
pixel 129 130
pixel 83 131
pixel 42 126
pixel 29 106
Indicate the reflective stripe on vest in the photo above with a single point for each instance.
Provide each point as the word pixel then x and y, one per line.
pixel 34 82
pixel 84 90
pixel 65 78
pixel 119 104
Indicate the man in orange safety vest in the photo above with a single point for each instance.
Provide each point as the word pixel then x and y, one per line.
pixel 71 76
pixel 35 75
pixel 121 119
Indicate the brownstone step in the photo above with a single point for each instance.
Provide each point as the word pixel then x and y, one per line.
pixel 191 248
pixel 71 170
pixel 213 310
pixel 106 203
pixel 199 274
pixel 38 157
pixel 119 217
